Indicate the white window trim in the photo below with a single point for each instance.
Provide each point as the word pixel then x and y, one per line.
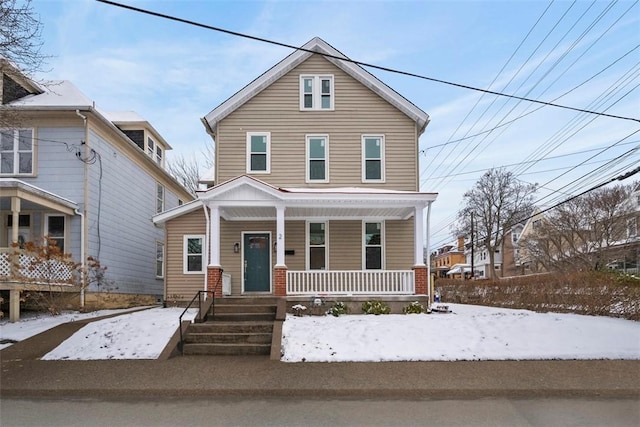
pixel 317 92
pixel 46 227
pixel 382 156
pixel 158 244
pixel 308 244
pixel 382 243
pixel 185 264
pixel 248 143
pixel 151 147
pixel 156 198
pixel 308 158
pixel 17 151
pixel 159 156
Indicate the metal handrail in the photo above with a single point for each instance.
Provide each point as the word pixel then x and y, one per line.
pixel 200 317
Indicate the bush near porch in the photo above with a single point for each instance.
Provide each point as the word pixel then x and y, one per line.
pixel 592 293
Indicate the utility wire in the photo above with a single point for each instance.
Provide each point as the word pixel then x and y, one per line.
pixel 360 63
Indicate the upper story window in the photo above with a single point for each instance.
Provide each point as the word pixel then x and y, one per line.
pixel 632 227
pixel 159 198
pixel 16 151
pixel 151 147
pixel 159 259
pixel 258 152
pixel 317 158
pixel 373 158
pixel 159 155
pixel 316 92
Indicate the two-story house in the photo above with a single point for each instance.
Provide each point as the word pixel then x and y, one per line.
pixel 316 188
pixel 89 179
pixel 450 260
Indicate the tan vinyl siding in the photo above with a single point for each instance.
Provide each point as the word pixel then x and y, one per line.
pixel 399 245
pixel 177 283
pixel 358 111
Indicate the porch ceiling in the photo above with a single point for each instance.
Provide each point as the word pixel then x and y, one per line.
pixel 253 213
pixel 32 197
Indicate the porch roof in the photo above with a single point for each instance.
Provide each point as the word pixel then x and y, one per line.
pixel 33 197
pixel 248 198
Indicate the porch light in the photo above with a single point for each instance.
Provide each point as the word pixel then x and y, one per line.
pixel 236 247
pixel 275 247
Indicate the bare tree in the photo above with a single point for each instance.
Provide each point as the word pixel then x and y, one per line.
pixel 584 233
pixel 20 35
pixel 189 170
pixel 20 55
pixel 496 202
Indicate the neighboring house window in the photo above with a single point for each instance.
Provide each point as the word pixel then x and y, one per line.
pixel 372 232
pixel 258 152
pixel 317 158
pixel 159 259
pixel 159 198
pixel 632 227
pixel 24 229
pixel 373 158
pixel 16 151
pixel 316 92
pixel 54 226
pixel 317 240
pixel 193 251
pixel 158 155
pixel 151 147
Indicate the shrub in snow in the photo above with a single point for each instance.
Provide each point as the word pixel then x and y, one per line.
pixel 375 307
pixel 413 308
pixel 298 309
pixel 338 308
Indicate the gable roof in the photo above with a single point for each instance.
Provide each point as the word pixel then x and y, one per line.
pixel 318 45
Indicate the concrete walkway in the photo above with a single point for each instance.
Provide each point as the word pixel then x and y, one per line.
pixel 24 375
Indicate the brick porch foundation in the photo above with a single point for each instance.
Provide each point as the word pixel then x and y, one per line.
pixel 420 274
pixel 280 281
pixel 213 275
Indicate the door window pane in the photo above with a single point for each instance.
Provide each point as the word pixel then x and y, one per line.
pixel 373 245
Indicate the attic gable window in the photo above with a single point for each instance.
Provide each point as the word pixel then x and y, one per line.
pixel 316 92
pixel 16 151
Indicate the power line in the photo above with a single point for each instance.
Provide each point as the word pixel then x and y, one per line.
pixel 360 63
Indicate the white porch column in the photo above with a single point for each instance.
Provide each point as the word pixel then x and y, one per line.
pixel 418 237
pixel 214 236
pixel 15 214
pixel 280 239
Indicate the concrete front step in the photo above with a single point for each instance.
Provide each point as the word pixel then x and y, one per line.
pixel 243 317
pixel 226 349
pixel 225 337
pixel 231 327
pixel 222 308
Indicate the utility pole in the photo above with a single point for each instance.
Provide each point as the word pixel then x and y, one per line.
pixel 473 273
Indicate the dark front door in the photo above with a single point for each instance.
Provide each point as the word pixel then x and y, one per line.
pixel 257 262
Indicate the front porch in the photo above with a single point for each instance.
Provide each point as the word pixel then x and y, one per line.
pixel 307 241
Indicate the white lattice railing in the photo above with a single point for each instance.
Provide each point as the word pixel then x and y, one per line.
pixel 328 282
pixel 44 271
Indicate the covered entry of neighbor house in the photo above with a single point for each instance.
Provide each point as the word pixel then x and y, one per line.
pixel 256 261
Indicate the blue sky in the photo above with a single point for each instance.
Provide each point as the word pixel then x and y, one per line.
pixel 174 74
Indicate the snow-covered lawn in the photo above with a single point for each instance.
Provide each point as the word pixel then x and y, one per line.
pixel 467 333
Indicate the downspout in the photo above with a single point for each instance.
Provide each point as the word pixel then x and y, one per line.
pixel 83 243
pixel 206 245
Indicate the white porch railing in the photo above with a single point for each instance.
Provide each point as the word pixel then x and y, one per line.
pixel 370 282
